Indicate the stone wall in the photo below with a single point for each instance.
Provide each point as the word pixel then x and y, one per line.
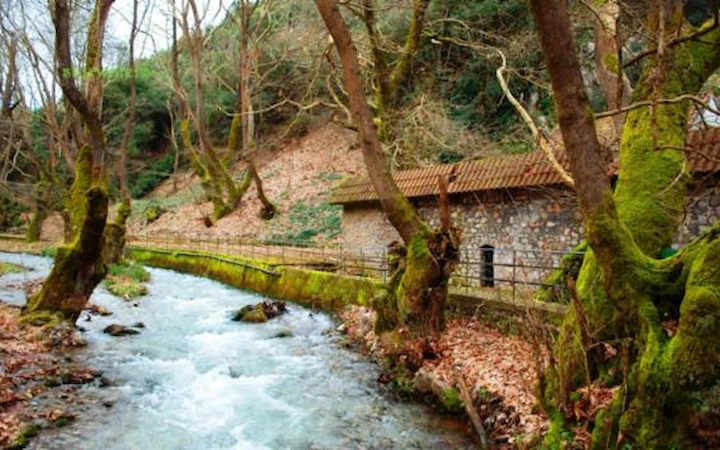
pixel 527 231
pixel 702 209
pixel 520 229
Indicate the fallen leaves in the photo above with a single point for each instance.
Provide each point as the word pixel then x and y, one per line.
pixel 31 366
pixel 498 369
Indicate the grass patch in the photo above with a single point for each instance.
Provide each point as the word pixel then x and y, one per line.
pixel 127 280
pixel 49 252
pixel 310 222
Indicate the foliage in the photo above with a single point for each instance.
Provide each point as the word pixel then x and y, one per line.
pixel 152 118
pixel 132 271
pixel 49 252
pixel 463 65
pixel 144 181
pixel 153 211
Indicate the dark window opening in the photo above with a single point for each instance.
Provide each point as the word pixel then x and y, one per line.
pixel 487 270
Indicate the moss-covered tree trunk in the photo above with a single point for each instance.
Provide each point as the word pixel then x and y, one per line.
pixel 78 266
pixel 391 83
pixel 667 383
pixel 217 181
pixel 39 211
pixel 415 306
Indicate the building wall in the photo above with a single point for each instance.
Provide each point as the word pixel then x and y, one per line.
pixel 702 209
pixel 522 228
pixel 527 230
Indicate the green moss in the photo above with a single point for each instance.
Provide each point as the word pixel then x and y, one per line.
pixel 6 268
pixel 409 292
pixel 152 212
pixel 45 318
pixel 331 292
pixel 50 252
pixel 451 401
pixel 254 316
pixel 124 287
pixel 132 270
pixel 611 63
pixel 558 435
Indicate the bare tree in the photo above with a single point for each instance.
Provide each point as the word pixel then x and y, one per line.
pixel 244 113
pixel 116 231
pixel 217 180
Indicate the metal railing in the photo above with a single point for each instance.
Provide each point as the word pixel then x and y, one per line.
pixel 521 270
pixel 333 258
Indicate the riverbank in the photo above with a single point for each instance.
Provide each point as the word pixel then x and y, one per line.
pixel 39 379
pixel 499 370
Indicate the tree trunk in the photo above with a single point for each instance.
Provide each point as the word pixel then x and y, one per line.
pixel 418 289
pixel 611 77
pixel 668 383
pixel 78 267
pixel 116 235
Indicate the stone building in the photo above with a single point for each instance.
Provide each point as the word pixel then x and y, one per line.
pixel 516 215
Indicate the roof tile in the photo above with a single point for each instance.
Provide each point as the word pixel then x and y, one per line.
pixel 509 171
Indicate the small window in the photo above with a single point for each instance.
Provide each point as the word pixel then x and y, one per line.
pixel 487 271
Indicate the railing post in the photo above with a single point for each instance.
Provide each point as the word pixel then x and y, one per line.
pixel 514 267
pixel 384 265
pixel 467 269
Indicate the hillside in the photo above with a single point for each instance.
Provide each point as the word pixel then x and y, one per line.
pixel 298 177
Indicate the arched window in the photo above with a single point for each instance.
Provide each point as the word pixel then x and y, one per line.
pixel 487 271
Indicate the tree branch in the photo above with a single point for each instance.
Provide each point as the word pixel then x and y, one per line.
pixel 540 138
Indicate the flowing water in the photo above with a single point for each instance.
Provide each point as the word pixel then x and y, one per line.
pixel 194 379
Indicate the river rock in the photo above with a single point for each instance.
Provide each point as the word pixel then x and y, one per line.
pixel 428 383
pixel 283 334
pixel 98 310
pixel 119 330
pixel 260 312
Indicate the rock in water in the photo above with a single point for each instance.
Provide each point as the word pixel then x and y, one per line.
pixel 260 312
pixel 119 330
pixel 255 315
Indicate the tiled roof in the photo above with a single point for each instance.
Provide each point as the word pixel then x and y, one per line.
pixel 508 171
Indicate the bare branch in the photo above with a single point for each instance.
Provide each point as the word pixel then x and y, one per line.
pixel 544 143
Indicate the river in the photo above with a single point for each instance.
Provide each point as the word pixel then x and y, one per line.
pixel 194 379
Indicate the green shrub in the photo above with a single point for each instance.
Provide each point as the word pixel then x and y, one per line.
pixel 133 271
pixel 308 222
pixel 153 211
pixel 150 177
pixel 50 252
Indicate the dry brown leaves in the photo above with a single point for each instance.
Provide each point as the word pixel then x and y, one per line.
pixel 499 370
pixel 304 171
pixel 496 366
pixel 30 366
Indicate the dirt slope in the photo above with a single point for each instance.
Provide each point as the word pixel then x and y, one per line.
pixel 304 171
pixel 301 174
